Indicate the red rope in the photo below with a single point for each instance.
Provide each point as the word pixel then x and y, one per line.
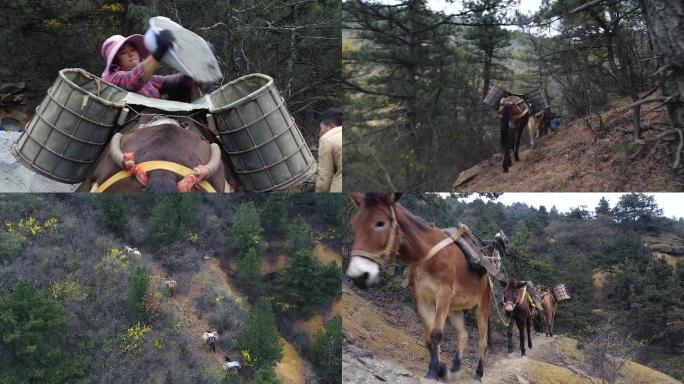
pixel 190 181
pixel 134 169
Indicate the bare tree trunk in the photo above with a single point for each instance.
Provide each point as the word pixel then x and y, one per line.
pixel 124 18
pixel 665 21
pixel 489 57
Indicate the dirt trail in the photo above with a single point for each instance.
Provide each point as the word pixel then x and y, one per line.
pixel 567 160
pixel 291 369
pixel 185 309
pixel 379 348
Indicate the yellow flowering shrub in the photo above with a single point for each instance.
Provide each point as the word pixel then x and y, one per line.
pixel 67 289
pixel 134 336
pixel 248 359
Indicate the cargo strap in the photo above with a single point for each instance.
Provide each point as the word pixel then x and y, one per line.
pixel 153 166
pixel 451 238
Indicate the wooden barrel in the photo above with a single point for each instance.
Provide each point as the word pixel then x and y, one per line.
pixel 560 293
pixel 537 100
pixel 265 146
pixel 495 95
pixel 71 127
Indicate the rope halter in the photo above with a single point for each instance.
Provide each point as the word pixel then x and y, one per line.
pixel 379 257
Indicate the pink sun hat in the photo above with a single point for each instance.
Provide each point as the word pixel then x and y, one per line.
pixel 112 45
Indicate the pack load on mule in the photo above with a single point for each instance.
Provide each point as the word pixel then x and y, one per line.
pixel 535 100
pixel 475 252
pixel 246 118
pixel 230 365
pixel 560 293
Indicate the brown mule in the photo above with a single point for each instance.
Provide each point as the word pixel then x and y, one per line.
pixel 517 309
pixel 550 305
pixel 513 115
pixel 170 285
pixel 440 276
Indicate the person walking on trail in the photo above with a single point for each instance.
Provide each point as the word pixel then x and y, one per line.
pixel 329 177
pixel 129 65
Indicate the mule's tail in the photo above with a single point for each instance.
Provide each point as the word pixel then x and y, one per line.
pixel 505 118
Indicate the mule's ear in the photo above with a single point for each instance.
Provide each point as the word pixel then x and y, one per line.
pixel 521 284
pixel 390 198
pixel 357 198
pixel 504 283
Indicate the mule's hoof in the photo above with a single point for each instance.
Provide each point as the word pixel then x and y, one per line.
pixel 510 350
pixel 524 356
pixel 478 376
pixel 442 372
pixel 431 375
pixel 456 366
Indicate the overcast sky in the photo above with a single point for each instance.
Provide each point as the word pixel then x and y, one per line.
pixel 525 6
pixel 672 204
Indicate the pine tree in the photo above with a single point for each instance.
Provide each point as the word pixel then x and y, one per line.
pixel 268 376
pixel 326 352
pixel 33 328
pixel 113 208
pixel 274 216
pixel 248 272
pixel 260 335
pixel 306 284
pixel 246 231
pixel 300 236
pixel 139 283
pixel 603 208
pixel 172 217
pixel 330 209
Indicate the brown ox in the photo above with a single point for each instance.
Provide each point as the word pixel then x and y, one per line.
pixel 441 278
pixel 164 143
pixel 517 309
pixel 513 115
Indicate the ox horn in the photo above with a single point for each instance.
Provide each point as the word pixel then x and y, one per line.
pixel 115 150
pixel 214 161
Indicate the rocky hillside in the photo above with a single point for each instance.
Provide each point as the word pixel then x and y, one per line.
pixel 383 347
pixel 594 154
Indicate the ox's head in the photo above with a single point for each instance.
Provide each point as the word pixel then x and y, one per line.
pixel 376 236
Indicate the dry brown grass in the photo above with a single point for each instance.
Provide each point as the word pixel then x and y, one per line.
pixel 568 161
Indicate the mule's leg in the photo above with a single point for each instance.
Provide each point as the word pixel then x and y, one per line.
pixel 506 160
pixel 482 317
pixel 458 322
pixel 517 144
pixel 553 320
pixel 509 332
pixel 521 330
pixel 429 313
pixel 437 333
pixel 529 334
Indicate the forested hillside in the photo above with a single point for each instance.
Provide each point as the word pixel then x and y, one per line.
pixel 415 79
pixel 623 267
pixel 79 307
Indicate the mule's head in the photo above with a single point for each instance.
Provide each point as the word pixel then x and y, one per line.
pixel 376 236
pixel 512 294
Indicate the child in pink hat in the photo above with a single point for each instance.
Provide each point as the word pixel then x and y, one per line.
pixel 129 65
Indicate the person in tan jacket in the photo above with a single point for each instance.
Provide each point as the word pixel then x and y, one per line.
pixel 330 151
